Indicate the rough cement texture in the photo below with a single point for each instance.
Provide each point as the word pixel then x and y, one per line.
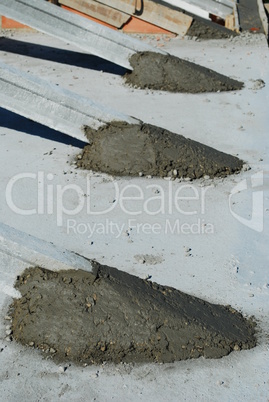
pixel 170 73
pixel 124 149
pixel 209 30
pixel 112 316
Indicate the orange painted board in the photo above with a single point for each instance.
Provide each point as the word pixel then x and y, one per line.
pixel 89 17
pixel 98 11
pixel 8 23
pixel 164 17
pixel 135 25
pixel 153 13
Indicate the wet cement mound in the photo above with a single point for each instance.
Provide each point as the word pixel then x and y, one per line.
pixel 209 30
pixel 124 149
pixel 112 316
pixel 169 73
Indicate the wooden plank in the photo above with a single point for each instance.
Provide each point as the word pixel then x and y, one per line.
pixel 164 17
pixel 99 11
pixel 154 13
pixel 230 22
pixel 127 6
pixel 135 25
pixel 89 17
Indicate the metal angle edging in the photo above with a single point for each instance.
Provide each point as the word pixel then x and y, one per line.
pixel 88 35
pixel 55 107
pixel 35 251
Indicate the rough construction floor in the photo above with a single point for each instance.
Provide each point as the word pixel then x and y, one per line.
pixel 204 237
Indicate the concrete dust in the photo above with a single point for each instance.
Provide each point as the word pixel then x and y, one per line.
pixel 170 73
pixel 124 149
pixel 109 315
pixel 148 259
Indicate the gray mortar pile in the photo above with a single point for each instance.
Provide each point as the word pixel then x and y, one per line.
pixel 124 149
pixel 109 315
pixel 169 73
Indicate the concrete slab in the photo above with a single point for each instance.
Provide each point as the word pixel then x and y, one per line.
pixel 194 244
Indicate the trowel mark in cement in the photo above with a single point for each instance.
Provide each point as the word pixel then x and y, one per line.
pixel 109 315
pixel 170 73
pixel 126 149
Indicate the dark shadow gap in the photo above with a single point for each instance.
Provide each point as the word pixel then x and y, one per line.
pixel 62 56
pixel 16 122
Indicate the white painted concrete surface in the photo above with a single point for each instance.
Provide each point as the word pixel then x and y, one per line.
pixel 212 253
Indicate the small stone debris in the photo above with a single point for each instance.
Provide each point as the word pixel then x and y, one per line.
pixel 188 252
